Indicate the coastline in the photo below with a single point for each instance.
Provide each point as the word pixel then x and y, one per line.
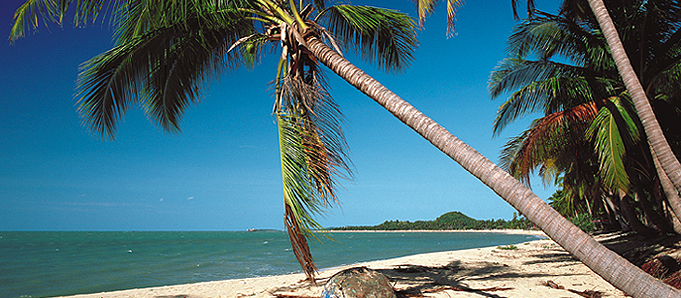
pixel 521 270
pixel 501 231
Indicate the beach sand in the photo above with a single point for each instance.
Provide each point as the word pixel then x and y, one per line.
pixel 522 270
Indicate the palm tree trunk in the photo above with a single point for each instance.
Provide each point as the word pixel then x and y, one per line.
pixel 656 138
pixel 612 267
pixel 669 191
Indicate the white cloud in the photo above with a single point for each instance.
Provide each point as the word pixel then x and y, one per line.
pixel 190 198
pixel 160 200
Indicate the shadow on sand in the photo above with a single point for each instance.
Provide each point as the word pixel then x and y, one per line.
pixel 416 280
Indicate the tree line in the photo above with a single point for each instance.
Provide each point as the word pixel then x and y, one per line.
pixel 449 221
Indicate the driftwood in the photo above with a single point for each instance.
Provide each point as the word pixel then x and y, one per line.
pixel 585 293
pixel 553 285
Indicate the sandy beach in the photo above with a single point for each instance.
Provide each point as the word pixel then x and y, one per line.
pixel 537 268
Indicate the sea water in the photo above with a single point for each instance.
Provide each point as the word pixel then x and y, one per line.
pixel 43 264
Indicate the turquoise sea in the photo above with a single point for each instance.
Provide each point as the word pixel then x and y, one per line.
pixel 44 264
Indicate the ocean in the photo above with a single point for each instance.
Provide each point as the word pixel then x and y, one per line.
pixel 44 264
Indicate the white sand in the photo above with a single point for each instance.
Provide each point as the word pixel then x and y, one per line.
pixel 525 270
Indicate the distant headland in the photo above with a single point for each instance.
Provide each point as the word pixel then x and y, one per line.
pixel 449 221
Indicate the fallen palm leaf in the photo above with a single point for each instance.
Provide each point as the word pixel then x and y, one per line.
pixel 551 284
pixel 588 293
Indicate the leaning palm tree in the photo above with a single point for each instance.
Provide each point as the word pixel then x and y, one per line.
pixel 309 39
pixel 609 265
pixel 658 143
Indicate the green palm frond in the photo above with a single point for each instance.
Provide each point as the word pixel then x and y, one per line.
pixel 513 73
pixel 253 48
pixel 163 70
pixel 26 17
pixel 376 34
pixel 312 149
pixel 321 132
pixel 300 202
pixel 548 96
pixel 610 131
pixel 547 36
pixel 140 17
pixel 109 83
pixel 665 82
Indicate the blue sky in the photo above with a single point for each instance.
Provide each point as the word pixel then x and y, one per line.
pixel 222 171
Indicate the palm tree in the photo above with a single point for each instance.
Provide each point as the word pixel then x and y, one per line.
pixel 611 266
pixel 165 50
pixel 658 143
pixel 584 91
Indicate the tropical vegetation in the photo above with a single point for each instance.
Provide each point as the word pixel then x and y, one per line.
pixel 302 39
pixel 454 220
pixel 590 139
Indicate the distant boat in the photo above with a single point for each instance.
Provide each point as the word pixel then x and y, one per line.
pixel 251 230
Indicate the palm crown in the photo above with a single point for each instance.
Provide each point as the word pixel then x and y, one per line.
pixel 590 133
pixel 165 52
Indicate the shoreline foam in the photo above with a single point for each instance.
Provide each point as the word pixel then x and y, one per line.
pixel 525 268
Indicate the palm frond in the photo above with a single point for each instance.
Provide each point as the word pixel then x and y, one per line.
pixel 163 70
pixel 312 155
pixel 546 142
pixel 109 83
pixel 547 36
pixel 607 133
pixel 425 8
pixel 513 73
pixel 376 34
pixel 299 198
pixel 27 16
pixel 324 140
pixel 549 96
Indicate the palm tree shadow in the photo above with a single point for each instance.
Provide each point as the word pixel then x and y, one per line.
pixel 415 280
pixel 411 280
pixel 558 256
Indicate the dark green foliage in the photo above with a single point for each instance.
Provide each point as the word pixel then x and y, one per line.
pixel 449 221
pixel 584 221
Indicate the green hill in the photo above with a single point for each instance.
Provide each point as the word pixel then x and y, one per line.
pixel 449 221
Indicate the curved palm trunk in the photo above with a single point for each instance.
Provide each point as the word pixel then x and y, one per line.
pixel 668 188
pixel 656 138
pixel 612 267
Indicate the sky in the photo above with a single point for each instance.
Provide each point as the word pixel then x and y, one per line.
pixel 222 171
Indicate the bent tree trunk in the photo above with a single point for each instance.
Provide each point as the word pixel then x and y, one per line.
pixel 656 138
pixel 612 267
